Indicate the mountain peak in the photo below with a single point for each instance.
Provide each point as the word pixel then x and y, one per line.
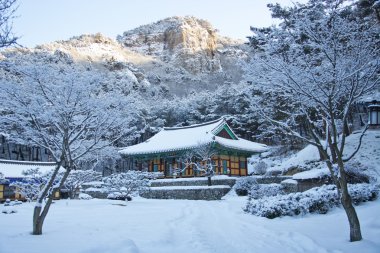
pixel 186 41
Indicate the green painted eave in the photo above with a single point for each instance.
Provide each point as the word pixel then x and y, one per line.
pixel 228 130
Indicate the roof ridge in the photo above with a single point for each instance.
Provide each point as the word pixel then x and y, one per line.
pixel 194 126
pixel 17 162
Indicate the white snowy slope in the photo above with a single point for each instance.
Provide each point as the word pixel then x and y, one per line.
pixel 367 159
pixel 165 226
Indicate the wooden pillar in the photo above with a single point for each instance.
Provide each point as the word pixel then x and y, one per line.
pixel 229 166
pixel 219 167
pixel 181 168
pixel 246 166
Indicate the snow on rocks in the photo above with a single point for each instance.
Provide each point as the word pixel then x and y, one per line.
pixel 312 174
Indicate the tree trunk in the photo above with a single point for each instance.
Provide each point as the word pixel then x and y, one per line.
pixel 345 198
pixel 209 181
pixel 355 231
pixel 38 220
pixel 40 213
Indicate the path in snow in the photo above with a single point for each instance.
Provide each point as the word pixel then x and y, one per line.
pixel 165 226
pixel 220 227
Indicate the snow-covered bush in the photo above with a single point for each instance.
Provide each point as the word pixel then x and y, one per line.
pixel 357 173
pixel 260 168
pixel 77 178
pixel 128 183
pixel 316 200
pixel 84 196
pixel 258 191
pixel 243 185
pixel 9 210
pixel 363 192
pixel 119 196
pixel 30 185
pixel 249 186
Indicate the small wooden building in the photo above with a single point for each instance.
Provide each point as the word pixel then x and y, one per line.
pixel 13 171
pixel 164 152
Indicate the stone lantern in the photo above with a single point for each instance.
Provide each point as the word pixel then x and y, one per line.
pixel 374 114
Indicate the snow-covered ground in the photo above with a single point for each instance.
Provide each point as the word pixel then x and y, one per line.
pixel 182 226
pixel 147 225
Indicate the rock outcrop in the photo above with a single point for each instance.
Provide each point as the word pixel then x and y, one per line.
pixel 179 55
pixel 185 41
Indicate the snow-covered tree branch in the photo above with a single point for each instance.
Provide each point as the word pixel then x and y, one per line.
pixel 200 159
pixel 63 108
pixel 7 10
pixel 322 59
pixel 77 178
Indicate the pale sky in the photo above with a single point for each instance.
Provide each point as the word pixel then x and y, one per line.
pixel 44 21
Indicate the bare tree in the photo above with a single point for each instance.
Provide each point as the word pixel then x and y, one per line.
pixel 7 10
pixel 200 158
pixel 321 60
pixel 62 108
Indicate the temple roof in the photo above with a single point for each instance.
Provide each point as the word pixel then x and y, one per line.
pixel 14 169
pixel 189 137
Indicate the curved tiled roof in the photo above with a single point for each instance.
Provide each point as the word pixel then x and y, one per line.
pixel 189 137
pixel 14 169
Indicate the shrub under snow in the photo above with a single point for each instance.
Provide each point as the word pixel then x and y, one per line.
pixel 259 191
pixel 260 168
pixel 315 200
pixel 243 185
pixel 119 196
pixel 127 184
pixel 84 196
pixel 249 186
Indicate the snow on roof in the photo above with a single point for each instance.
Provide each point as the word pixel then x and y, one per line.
pixel 182 138
pixel 14 169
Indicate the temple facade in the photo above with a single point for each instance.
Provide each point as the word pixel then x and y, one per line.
pixel 168 150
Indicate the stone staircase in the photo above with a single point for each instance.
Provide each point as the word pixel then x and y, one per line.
pixel 189 188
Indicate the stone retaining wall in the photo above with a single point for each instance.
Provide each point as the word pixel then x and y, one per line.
pixel 97 194
pixel 204 193
pixel 200 182
pixel 271 179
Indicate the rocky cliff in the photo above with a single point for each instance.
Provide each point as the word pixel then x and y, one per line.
pixel 194 55
pixel 179 54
